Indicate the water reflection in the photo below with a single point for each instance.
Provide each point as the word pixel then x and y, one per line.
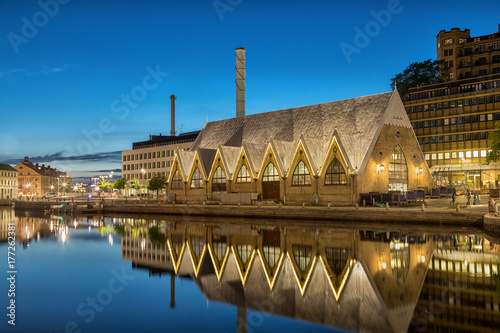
pixel 364 277
pixel 360 280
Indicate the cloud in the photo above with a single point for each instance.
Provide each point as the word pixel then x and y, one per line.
pixel 46 70
pixel 13 71
pixel 114 156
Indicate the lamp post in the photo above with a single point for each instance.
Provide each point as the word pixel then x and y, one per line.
pixel 143 173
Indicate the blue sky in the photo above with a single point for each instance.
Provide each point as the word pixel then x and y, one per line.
pixel 67 67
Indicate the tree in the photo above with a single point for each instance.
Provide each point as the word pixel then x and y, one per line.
pixel 104 184
pixel 420 74
pixel 157 183
pixel 135 184
pixel 494 137
pixel 120 184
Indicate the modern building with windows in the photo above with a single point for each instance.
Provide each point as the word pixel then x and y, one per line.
pixel 321 153
pixel 467 56
pixel 452 121
pixel 153 156
pixel 8 182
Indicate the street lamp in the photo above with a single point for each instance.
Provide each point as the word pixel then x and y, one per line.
pixel 27 187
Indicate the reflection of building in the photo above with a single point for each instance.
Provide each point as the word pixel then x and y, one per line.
pixel 6 216
pixel 469 56
pixel 356 280
pixel 460 292
pixel 37 180
pixel 8 182
pixel 329 152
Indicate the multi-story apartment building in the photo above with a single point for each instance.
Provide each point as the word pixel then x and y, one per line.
pixel 8 182
pixel 467 56
pixel 153 156
pixel 37 180
pixel 452 121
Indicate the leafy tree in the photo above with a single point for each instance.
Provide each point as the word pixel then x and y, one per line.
pixel 420 74
pixel 135 184
pixel 104 184
pixel 120 184
pixel 157 183
pixel 494 154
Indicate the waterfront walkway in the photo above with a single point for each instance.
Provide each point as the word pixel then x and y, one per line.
pixel 435 211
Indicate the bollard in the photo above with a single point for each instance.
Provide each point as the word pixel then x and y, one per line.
pixel 496 208
pixel 280 204
pixel 303 205
pixel 239 204
pixel 423 207
pixel 458 208
pixel 356 205
pixel 386 206
pixel 203 203
pixel 364 203
pixel 258 203
pixel 328 206
pixel 373 201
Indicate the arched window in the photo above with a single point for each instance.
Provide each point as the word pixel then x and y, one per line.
pixel 196 179
pixel 398 171
pixel 176 181
pixel 270 174
pixel 301 175
pixel 335 173
pixel 243 175
pixel 219 180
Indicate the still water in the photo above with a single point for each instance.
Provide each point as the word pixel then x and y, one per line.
pixel 184 274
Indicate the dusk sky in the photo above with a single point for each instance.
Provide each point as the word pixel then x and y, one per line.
pixel 81 80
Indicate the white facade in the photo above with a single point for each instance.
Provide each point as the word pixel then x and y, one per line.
pixel 8 182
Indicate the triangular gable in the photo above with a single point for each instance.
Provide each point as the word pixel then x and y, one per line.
pixel 336 150
pixel 205 159
pixel 285 151
pixel 301 277
pixel 255 154
pixel 218 263
pixel 243 159
pixel 396 114
pixel 196 260
pixel 185 159
pixel 174 168
pixel 230 157
pixel 336 283
pixel 300 154
pixel 243 268
pixel 316 151
pixel 175 255
pixel 271 273
pixel 271 156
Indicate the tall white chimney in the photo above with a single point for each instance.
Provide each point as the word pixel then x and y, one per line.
pixel 172 115
pixel 240 82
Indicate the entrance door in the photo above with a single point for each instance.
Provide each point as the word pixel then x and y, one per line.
pixel 271 183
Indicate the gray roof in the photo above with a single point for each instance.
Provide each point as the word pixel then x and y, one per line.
pixel 355 123
pixel 6 167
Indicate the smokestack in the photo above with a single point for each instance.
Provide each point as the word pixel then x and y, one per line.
pixel 240 82
pixel 172 115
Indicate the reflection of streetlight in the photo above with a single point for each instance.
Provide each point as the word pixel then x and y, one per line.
pixel 27 188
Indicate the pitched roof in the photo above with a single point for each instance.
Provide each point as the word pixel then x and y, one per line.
pixel 6 167
pixel 356 122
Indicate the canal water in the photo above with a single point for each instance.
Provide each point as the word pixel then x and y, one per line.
pixel 185 274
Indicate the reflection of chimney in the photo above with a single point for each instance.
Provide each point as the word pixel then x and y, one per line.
pixel 240 82
pixel 172 289
pixel 241 319
pixel 172 115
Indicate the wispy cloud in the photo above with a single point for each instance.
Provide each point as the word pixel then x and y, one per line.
pixel 46 70
pixel 114 156
pixel 12 72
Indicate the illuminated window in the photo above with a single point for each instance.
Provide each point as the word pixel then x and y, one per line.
pixel 271 254
pixel 468 154
pixel 197 245
pixel 244 251
pixel 301 175
pixel 398 171
pixel 483 153
pixel 219 180
pixel 400 261
pixel 335 173
pixel 336 258
pixel 176 181
pixel 460 154
pixel 475 153
pixel 270 174
pixel 196 179
pixel 243 175
pixel 302 255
